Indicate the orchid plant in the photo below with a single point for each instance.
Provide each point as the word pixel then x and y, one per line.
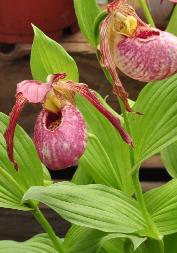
pixel 105 204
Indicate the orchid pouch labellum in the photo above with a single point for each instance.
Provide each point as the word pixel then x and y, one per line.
pixel 60 133
pixel 134 47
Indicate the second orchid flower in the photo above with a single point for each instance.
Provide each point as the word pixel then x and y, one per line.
pixel 138 50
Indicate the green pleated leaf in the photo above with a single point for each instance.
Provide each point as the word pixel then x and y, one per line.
pixel 172 24
pixel 162 205
pixel 81 176
pixel 48 57
pixel 38 244
pixel 94 206
pixel 86 12
pixel 113 246
pixel 157 128
pixel 82 240
pixel 170 242
pixel 130 241
pixel 99 164
pixel 13 184
pixel 106 158
pixel 86 240
pixel 169 157
pixel 151 246
pixel 121 243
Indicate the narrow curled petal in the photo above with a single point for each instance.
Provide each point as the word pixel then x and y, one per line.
pixel 9 133
pixel 107 62
pixel 60 138
pixel 83 90
pixel 33 91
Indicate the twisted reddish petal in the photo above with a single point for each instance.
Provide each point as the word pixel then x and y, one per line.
pixel 9 133
pixel 84 91
pixel 108 63
pixel 114 5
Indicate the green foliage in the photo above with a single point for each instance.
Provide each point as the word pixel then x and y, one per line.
pixel 121 244
pixel 81 239
pixel 172 24
pixel 87 12
pixel 106 157
pixel 81 176
pixel 151 246
pixel 117 246
pixel 127 242
pixel 152 132
pixel 13 184
pixel 48 57
pixel 94 206
pixel 170 242
pixel 162 205
pixel 156 128
pixel 38 244
pixel 169 157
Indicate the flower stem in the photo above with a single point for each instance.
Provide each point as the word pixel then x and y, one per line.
pixel 147 12
pixel 47 227
pixel 136 183
pixel 139 195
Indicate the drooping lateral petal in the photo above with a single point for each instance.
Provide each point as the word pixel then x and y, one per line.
pixel 108 63
pixel 9 133
pixel 31 91
pixel 84 91
pixel 34 91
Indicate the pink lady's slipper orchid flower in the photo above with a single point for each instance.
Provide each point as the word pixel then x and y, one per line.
pixel 60 133
pixel 139 51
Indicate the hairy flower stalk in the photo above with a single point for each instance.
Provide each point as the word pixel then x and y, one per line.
pixel 139 51
pixel 60 133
